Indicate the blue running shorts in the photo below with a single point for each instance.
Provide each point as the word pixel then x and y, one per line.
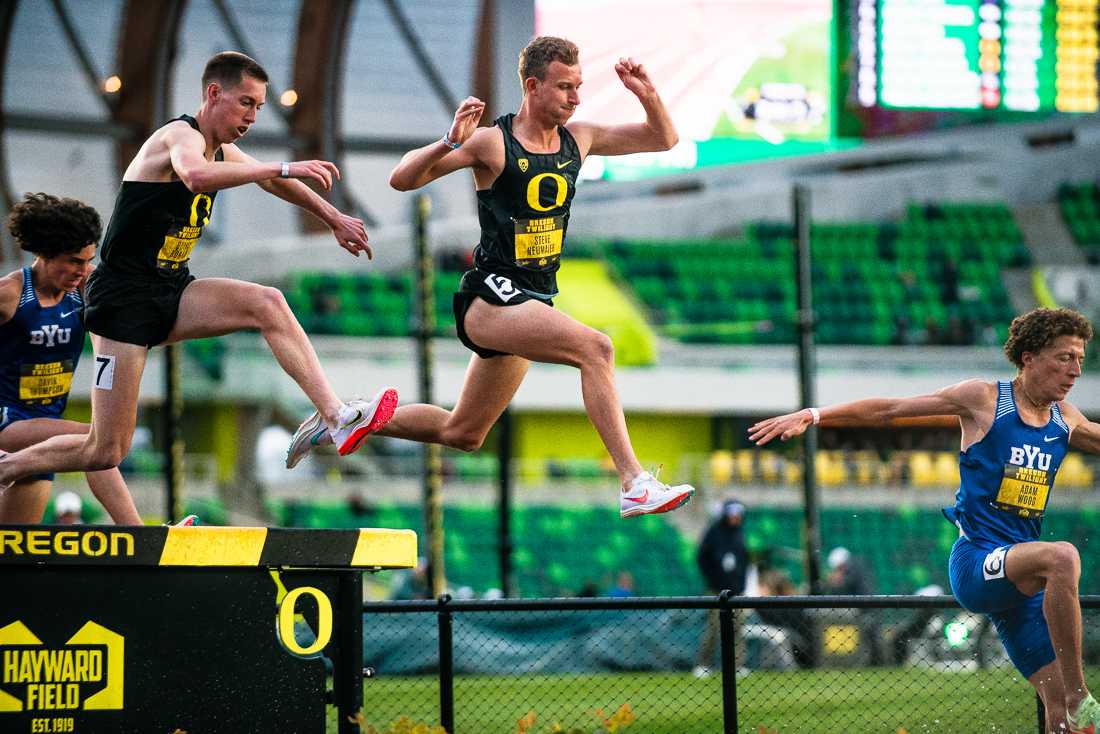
pixel 978 581
pixel 13 414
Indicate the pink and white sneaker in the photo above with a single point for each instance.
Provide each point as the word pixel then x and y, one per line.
pixel 647 496
pixel 358 419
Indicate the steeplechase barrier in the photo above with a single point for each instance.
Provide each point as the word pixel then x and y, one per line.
pixel 192 629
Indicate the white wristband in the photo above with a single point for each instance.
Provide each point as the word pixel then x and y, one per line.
pixel 816 415
pixel 284 170
pixel 447 141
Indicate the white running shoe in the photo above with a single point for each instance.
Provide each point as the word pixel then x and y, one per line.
pixel 312 432
pixel 358 419
pixel 647 496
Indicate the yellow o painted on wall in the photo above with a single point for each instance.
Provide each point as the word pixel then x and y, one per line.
pixel 286 621
pixel 533 191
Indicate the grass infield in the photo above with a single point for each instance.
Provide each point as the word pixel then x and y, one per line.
pixel 854 701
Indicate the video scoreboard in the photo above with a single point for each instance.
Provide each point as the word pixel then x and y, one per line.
pixel 996 55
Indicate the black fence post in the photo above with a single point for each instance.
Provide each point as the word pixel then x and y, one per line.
pixel 729 662
pixel 1041 711
pixel 348 678
pixel 446 667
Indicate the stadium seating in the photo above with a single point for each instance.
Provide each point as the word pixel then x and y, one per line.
pixel 1080 205
pixel 366 304
pixel 933 277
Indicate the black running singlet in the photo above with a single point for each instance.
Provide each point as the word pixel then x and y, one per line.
pixel 525 213
pixel 155 225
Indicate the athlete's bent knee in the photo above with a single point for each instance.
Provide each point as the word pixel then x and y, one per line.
pixel 600 350
pixel 1065 560
pixel 271 306
pixel 106 457
pixel 463 440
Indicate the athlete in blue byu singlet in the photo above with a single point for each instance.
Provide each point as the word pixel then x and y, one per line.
pixel 143 295
pixel 41 337
pixel 1014 437
pixel 525 168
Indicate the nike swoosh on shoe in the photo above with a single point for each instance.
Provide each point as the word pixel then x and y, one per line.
pixel 356 419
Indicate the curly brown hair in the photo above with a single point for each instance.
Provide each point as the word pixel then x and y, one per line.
pixel 1032 331
pixel 536 57
pixel 50 226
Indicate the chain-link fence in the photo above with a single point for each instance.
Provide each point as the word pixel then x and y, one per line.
pixel 695 665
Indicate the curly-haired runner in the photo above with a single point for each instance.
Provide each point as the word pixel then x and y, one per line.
pixel 41 337
pixel 1014 437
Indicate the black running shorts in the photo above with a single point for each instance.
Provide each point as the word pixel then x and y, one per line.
pixel 497 290
pixel 130 310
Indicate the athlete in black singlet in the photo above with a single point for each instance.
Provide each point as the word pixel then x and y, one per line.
pixel 525 168
pixel 144 295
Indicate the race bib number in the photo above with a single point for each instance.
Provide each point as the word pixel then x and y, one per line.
pixel 176 249
pixel 42 384
pixel 1023 491
pixel 502 286
pixel 539 242
pixel 993 567
pixel 104 371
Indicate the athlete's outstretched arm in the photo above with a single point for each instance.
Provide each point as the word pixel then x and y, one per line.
pixel 349 231
pixel 1084 434
pixel 424 165
pixel 186 148
pixel 963 400
pixel 655 134
pixel 10 289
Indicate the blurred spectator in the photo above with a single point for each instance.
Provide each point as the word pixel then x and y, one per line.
pixel 796 623
pixel 932 335
pixel 902 333
pixel 949 282
pixel 723 560
pixel 415 583
pixel 588 590
pixel 915 627
pixel 359 508
pixel 959 332
pixel 624 586
pixel 847 577
pixel 67 509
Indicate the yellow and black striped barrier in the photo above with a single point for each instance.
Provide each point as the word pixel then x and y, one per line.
pixel 196 629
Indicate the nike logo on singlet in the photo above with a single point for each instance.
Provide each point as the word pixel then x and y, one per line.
pixel 67 314
pixel 563 165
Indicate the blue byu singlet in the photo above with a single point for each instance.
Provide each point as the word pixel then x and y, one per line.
pixel 1007 476
pixel 41 346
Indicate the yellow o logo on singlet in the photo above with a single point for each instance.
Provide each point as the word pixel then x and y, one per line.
pixel 204 212
pixel 533 191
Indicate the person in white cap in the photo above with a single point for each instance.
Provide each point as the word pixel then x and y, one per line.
pixel 66 509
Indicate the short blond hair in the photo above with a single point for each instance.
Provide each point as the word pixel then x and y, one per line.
pixel 537 56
